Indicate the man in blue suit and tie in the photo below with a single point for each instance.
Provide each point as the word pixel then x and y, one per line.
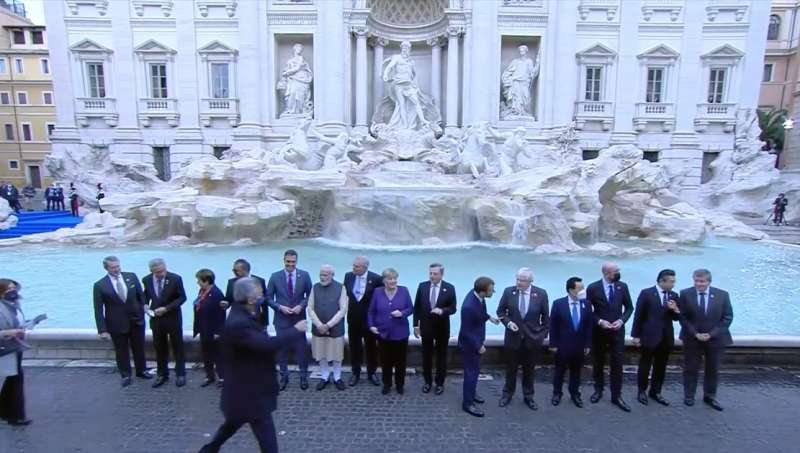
pixel 652 329
pixel 706 316
pixel 612 307
pixel 571 325
pixel 471 337
pixel 287 294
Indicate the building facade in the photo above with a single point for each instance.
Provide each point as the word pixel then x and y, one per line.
pixel 164 81
pixel 27 103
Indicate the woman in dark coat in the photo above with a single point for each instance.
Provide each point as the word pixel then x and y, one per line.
pixel 209 319
pixel 12 395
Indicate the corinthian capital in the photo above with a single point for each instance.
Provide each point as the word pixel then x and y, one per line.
pixel 435 41
pixel 360 31
pixel 454 31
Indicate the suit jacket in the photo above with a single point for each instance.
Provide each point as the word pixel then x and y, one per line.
pixel 263 309
pixel 357 311
pixel 112 314
pixel 619 308
pixel 472 334
pixel 429 323
pixel 533 325
pixel 209 319
pixel 652 323
pixel 250 391
pixel 716 320
pixel 278 294
pixel 172 297
pixel 563 335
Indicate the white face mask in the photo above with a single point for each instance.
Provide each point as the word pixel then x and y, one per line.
pixel 582 294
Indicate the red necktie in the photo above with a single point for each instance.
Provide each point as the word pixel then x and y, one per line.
pixel 290 286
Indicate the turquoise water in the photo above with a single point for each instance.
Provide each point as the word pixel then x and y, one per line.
pixel 761 278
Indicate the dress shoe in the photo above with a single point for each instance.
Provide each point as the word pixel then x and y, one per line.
pixel 642 397
pixel 304 383
pixel 620 403
pixel 713 403
pixel 161 380
pixel 385 390
pixel 556 400
pixel 478 400
pixel 400 390
pixel 22 422
pixel 220 383
pixel 207 382
pixel 438 390
pixel 283 383
pixel 474 411
pixel 339 384
pixel 126 381
pixel 688 401
pixel 322 384
pixel 504 400
pixel 426 388
pixel 374 379
pixel 354 380
pixel 180 381
pixel 531 404
pixel 596 396
pixel 144 375
pixel 659 399
pixel 577 401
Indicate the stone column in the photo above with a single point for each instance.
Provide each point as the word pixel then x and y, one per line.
pixel 625 93
pixel 330 42
pixel 125 66
pixel 189 139
pixel 249 131
pixel 483 88
pixel 451 117
pixel 63 88
pixel 377 68
pixel 361 75
pixel 436 71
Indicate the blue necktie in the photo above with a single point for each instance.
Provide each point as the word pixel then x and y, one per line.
pixel 575 319
pixel 703 303
pixel 610 294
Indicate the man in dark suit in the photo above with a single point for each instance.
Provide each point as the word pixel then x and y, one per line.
pixel 360 283
pixel 571 325
pixel 612 306
pixel 119 315
pixel 471 337
pixel 250 392
pixel 706 316
pixel 434 303
pixel 287 293
pixel 525 311
pixel 241 269
pixel 656 308
pixel 164 293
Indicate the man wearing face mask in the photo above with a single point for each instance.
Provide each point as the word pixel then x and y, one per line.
pixel 612 307
pixel 327 307
pixel 12 392
pixel 241 269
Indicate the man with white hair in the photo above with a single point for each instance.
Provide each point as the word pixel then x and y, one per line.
pixel 327 307
pixel 164 293
pixel 360 283
pixel 612 306
pixel 524 310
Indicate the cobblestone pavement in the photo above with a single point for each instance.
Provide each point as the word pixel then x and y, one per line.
pixel 85 410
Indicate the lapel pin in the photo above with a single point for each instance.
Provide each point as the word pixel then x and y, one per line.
pixel 444 290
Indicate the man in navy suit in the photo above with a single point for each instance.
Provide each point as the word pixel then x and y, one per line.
pixel 164 293
pixel 250 393
pixel 612 307
pixel 119 314
pixel 706 316
pixel 525 311
pixel 360 283
pixel 571 325
pixel 656 308
pixel 241 269
pixel 471 337
pixel 434 304
pixel 287 293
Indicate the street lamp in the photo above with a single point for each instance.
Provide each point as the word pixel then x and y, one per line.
pixel 788 124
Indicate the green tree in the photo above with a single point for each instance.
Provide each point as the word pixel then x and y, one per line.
pixel 772 131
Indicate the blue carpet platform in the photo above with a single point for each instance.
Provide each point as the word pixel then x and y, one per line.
pixel 39 222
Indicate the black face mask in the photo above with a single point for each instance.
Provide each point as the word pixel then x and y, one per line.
pixel 11 296
pixel 615 277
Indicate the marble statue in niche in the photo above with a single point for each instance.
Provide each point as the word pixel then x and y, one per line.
pixel 517 83
pixel 295 83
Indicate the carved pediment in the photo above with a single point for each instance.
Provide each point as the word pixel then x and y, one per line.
pixel 152 46
pixel 597 53
pixel 726 51
pixel 661 53
pixel 89 46
pixel 216 47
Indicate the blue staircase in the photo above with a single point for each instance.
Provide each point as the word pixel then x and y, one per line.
pixel 40 222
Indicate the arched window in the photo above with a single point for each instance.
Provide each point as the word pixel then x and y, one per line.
pixel 774 27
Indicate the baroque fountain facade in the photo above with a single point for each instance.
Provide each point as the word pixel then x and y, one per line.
pixel 418 123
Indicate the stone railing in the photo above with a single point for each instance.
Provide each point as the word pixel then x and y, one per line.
pixel 600 111
pixel 225 108
pixel 104 108
pixel 657 112
pixel 166 108
pixel 724 114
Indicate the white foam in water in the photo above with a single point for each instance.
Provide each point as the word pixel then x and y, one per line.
pixel 761 277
